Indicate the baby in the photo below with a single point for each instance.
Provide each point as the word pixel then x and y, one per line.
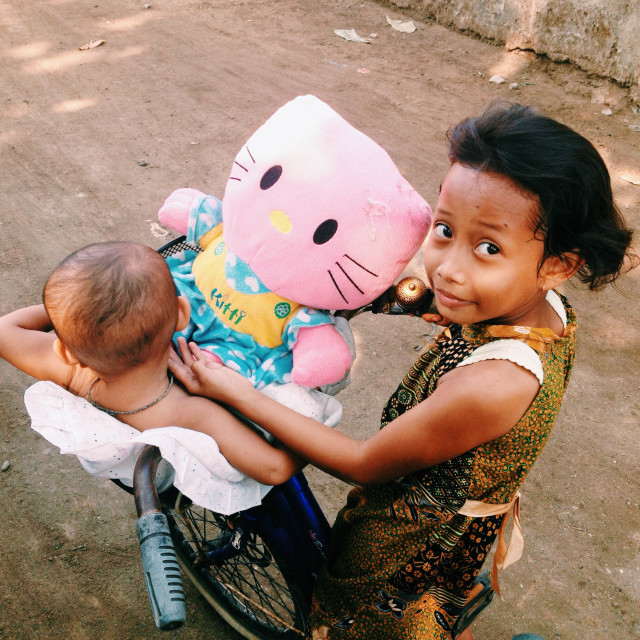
pixel 114 308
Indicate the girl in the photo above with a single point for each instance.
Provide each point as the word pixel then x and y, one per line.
pixel 525 205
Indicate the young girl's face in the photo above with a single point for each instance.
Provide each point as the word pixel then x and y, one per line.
pixel 481 255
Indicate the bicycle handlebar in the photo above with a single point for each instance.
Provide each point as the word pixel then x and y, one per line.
pixel 409 296
pixel 159 560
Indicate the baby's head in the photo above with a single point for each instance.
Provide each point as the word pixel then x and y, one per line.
pixel 575 214
pixel 113 305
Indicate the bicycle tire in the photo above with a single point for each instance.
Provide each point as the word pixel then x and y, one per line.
pixel 254 592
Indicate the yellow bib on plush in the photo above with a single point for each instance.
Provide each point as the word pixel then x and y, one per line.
pixel 262 315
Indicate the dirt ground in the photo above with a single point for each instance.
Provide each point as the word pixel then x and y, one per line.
pixel 92 141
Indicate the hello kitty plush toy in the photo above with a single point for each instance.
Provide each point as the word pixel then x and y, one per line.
pixel 315 217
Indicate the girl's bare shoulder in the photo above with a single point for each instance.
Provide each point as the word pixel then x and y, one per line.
pixel 494 392
pixel 495 379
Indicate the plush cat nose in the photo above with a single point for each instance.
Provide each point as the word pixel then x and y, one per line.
pixel 280 221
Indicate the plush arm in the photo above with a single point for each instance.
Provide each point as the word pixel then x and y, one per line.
pixel 320 356
pixel 175 211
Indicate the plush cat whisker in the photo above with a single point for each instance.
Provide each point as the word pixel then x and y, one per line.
pixel 375 275
pixel 335 284
pixel 242 166
pixel 348 277
pixel 235 177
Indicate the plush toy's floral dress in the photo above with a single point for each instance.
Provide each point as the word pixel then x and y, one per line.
pixel 233 315
pixel 405 558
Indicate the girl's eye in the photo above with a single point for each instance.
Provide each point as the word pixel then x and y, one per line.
pixel 488 248
pixel 442 230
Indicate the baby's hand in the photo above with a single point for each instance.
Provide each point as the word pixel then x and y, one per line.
pixel 205 376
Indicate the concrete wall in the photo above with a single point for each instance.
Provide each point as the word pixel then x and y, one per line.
pixel 601 36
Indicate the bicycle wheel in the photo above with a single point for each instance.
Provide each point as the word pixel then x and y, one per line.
pixel 253 591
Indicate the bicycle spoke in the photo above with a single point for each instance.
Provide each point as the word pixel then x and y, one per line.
pixel 250 584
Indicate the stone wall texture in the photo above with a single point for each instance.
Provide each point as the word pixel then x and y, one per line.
pixel 600 36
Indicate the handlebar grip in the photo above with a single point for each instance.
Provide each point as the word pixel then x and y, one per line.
pixel 161 571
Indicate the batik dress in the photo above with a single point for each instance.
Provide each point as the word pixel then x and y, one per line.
pixel 404 557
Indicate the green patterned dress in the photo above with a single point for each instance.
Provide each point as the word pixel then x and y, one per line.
pixel 403 559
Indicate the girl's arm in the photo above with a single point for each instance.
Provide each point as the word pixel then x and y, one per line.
pixel 243 448
pixel 26 341
pixel 472 405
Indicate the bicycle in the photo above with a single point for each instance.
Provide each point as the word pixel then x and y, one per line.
pixel 257 568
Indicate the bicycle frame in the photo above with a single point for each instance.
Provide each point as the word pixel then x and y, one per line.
pixel 289 512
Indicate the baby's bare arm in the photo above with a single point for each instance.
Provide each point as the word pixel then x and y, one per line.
pixel 26 342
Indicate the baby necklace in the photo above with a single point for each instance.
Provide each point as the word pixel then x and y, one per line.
pixel 112 412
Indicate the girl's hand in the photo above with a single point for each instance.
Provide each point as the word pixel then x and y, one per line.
pixel 435 318
pixel 205 376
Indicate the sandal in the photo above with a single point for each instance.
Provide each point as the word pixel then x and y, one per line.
pixel 481 596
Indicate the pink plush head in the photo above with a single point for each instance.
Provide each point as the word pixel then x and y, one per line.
pixel 319 210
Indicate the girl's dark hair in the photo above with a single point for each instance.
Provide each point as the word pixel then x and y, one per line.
pixel 564 171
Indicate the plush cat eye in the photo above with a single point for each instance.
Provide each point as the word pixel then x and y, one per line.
pixel 325 231
pixel 270 177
